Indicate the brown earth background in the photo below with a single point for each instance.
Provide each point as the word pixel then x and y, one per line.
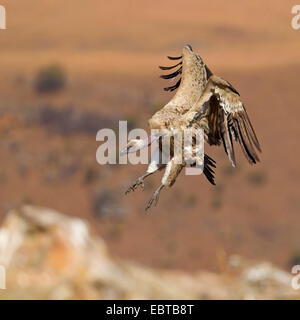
pixel 110 51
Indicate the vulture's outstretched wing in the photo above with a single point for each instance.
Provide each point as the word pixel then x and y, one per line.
pixel 173 74
pixel 227 119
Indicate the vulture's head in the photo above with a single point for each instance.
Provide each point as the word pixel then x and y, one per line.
pixel 133 146
pixel 137 144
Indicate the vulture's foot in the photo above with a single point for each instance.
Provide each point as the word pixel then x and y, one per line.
pixel 154 197
pixel 138 182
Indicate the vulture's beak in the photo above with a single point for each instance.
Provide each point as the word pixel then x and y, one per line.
pixel 124 151
pixel 138 144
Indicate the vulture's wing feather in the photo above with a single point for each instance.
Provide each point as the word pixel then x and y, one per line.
pixel 171 67
pixel 208 171
pixel 227 119
pixel 174 74
pixel 172 88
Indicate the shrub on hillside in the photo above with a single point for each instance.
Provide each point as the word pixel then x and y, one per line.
pixel 50 79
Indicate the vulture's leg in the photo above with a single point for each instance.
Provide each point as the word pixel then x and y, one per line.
pixel 172 171
pixel 155 165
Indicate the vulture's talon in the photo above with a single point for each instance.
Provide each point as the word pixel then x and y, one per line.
pixel 154 198
pixel 149 204
pixel 134 186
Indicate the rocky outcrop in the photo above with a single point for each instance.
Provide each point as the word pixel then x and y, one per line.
pixel 51 256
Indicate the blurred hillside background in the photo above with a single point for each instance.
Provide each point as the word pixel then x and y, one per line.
pixel 70 68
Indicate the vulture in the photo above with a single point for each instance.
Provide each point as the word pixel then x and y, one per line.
pixel 202 101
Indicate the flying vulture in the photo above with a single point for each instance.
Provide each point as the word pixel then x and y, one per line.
pixel 202 101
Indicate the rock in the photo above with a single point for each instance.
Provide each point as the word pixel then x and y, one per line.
pixel 51 256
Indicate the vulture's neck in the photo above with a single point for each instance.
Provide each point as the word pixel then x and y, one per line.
pixel 193 82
